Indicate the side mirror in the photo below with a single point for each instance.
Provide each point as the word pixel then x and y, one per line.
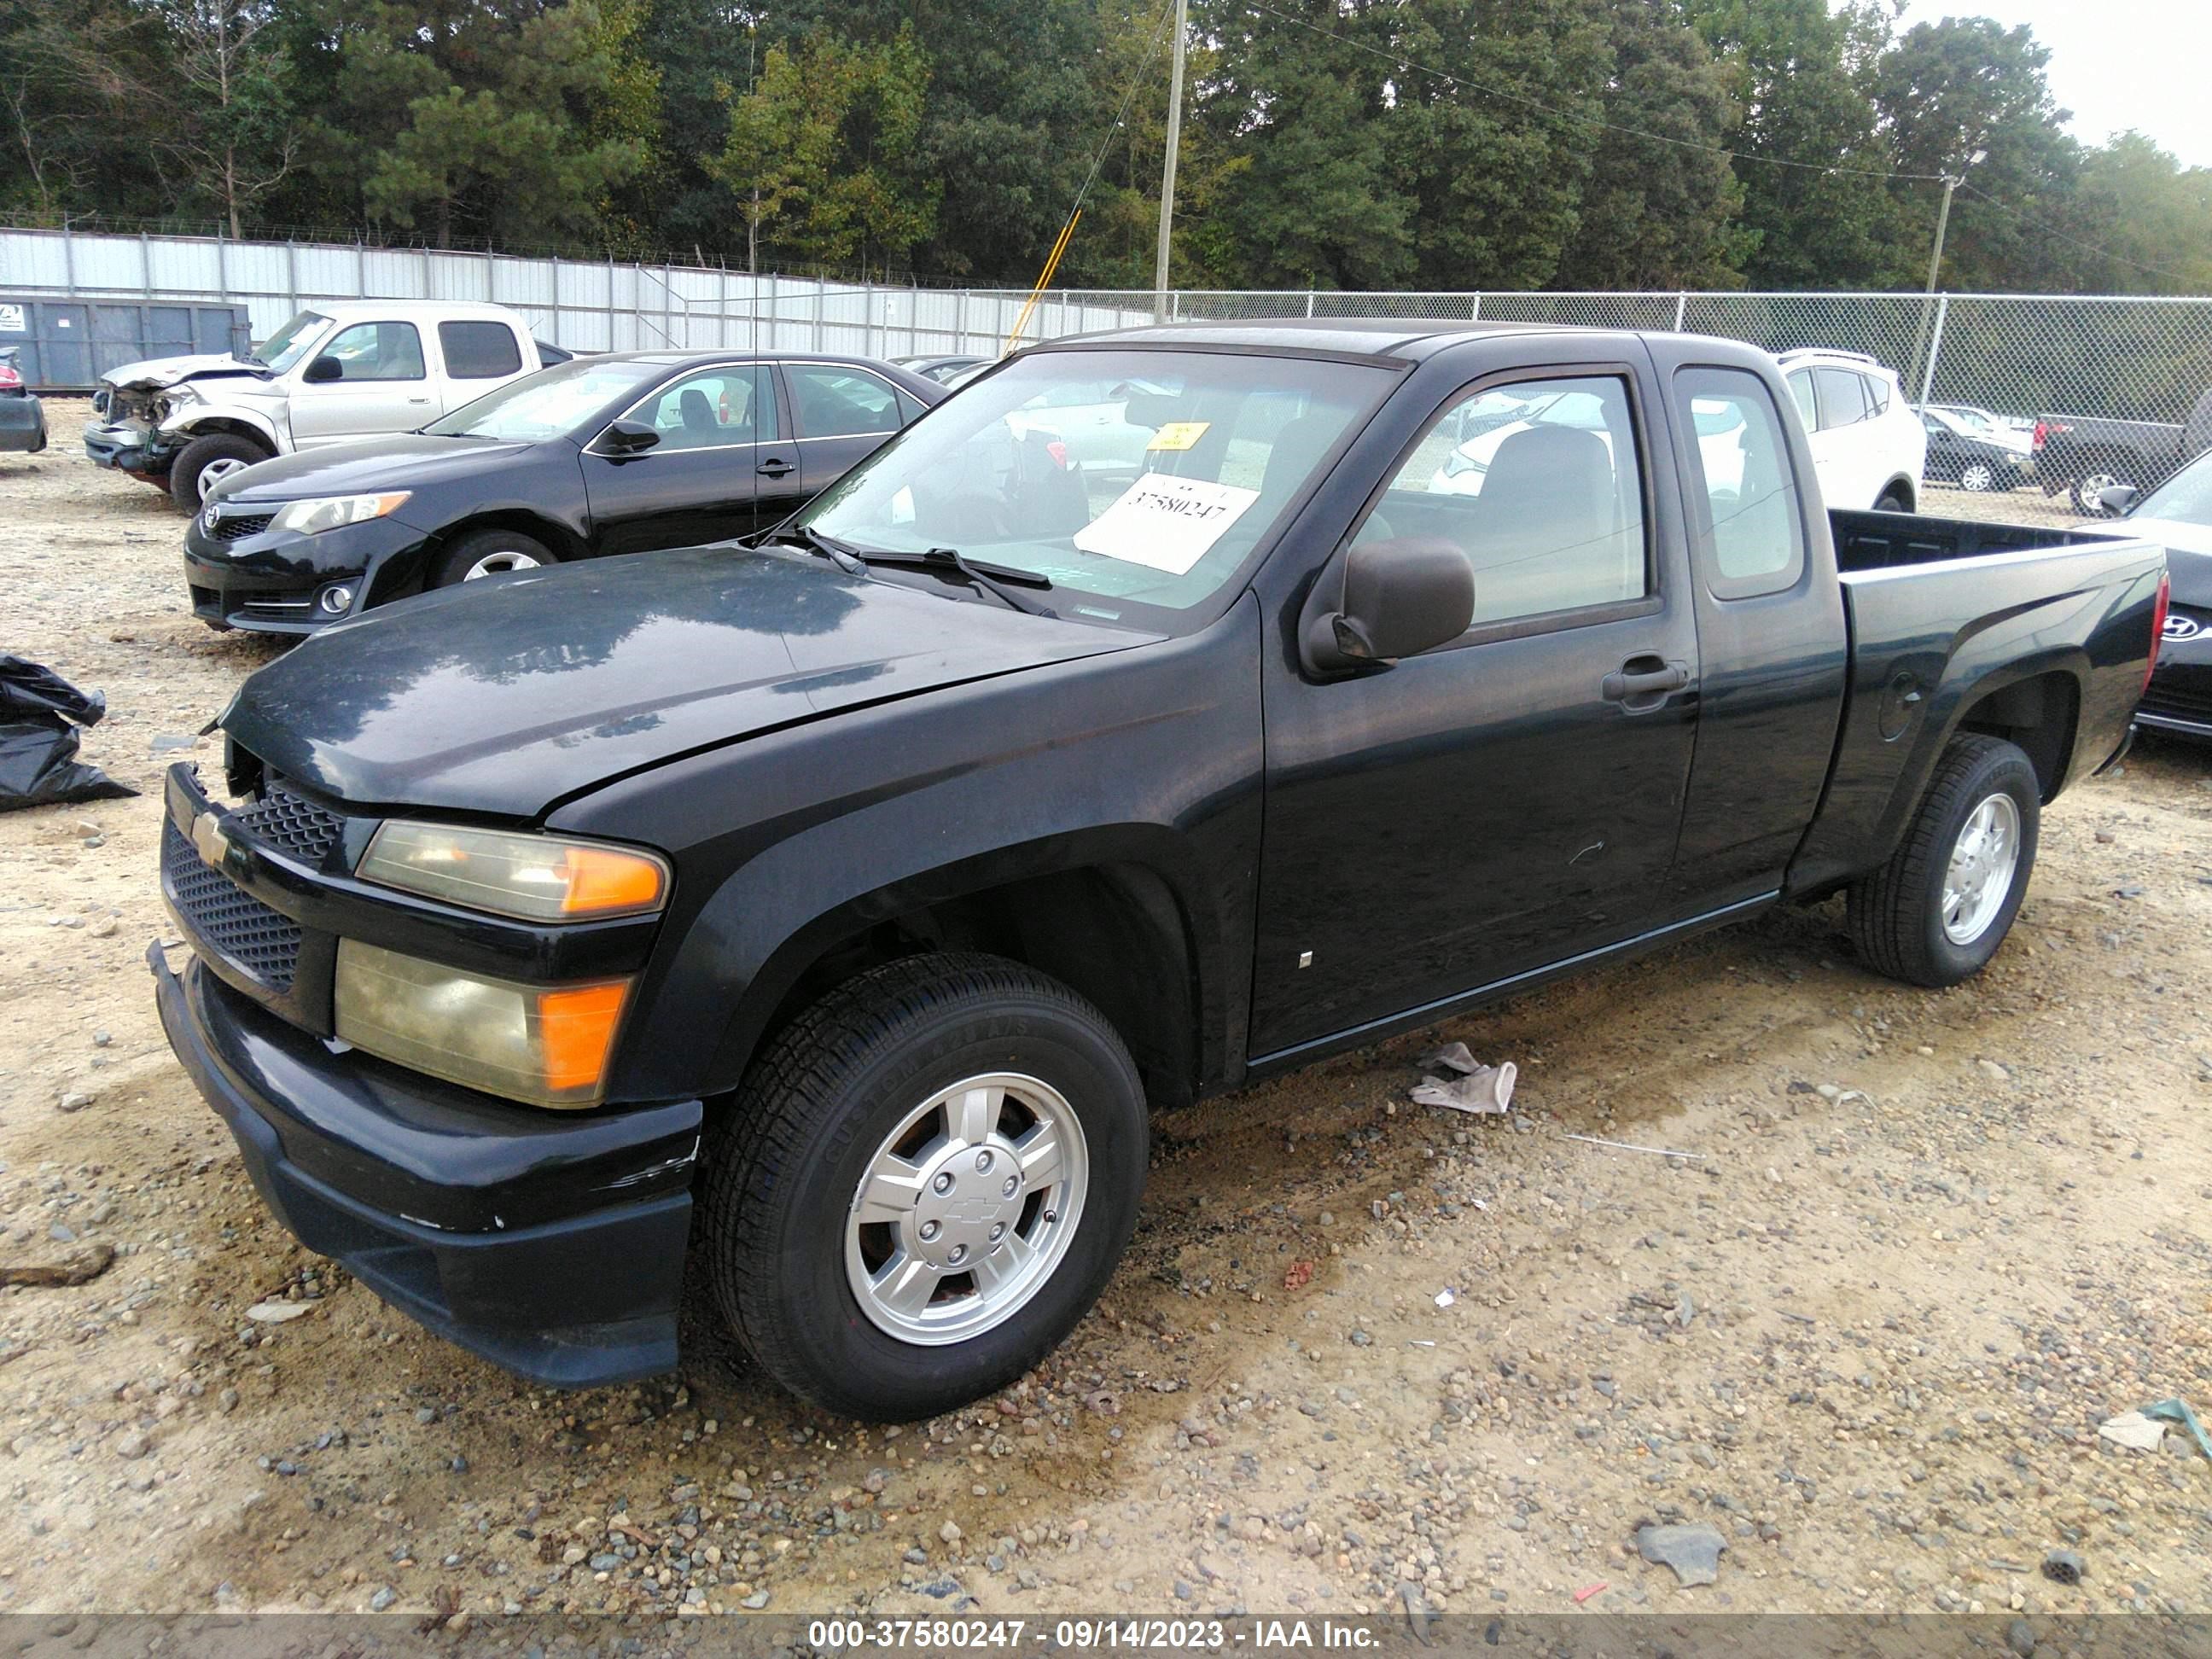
pixel 321 369
pixel 1400 597
pixel 631 438
pixel 2118 500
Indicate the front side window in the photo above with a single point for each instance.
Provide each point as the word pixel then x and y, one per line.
pixel 713 409
pixel 377 351
pixel 1229 439
pixel 1546 499
pixel 1744 507
pixel 840 403
pixel 1843 397
pixel 2185 498
pixel 479 351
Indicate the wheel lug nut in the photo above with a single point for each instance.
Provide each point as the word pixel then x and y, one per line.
pixel 998 1232
pixel 983 1161
pixel 959 1253
pixel 929 1231
pixel 1013 1185
pixel 943 1183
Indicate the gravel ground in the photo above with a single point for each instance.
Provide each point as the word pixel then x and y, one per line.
pixel 1926 1243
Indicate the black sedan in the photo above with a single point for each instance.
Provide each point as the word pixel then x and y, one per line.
pixel 1966 449
pixel 605 454
pixel 2177 514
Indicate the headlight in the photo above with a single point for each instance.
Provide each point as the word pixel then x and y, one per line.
pixel 329 512
pixel 543 1045
pixel 533 878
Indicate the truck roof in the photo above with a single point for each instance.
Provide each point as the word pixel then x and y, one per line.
pixel 372 310
pixel 1408 339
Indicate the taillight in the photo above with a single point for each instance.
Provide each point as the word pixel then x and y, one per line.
pixel 2157 627
pixel 1058 451
pixel 9 377
pixel 2041 433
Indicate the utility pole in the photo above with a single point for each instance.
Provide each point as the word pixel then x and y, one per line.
pixel 1168 171
pixel 1951 182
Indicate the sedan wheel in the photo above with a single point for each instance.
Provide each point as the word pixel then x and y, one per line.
pixel 1977 476
pixel 499 563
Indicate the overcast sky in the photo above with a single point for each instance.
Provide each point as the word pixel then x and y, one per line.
pixel 2116 64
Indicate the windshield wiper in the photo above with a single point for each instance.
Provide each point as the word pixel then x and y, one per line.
pixel 993 579
pixel 828 547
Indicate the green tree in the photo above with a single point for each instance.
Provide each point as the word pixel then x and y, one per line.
pixel 234 129
pixel 1654 213
pixel 819 152
pixel 2149 216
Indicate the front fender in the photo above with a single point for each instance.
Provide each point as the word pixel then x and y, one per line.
pixel 196 420
pixel 788 843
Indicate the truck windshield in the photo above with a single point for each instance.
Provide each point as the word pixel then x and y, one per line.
pixel 2185 498
pixel 547 404
pixel 1143 479
pixel 290 343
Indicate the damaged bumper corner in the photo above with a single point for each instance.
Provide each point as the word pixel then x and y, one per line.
pixel 551 1244
pixel 129 445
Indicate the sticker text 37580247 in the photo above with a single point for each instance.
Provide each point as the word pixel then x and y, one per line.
pixel 1165 523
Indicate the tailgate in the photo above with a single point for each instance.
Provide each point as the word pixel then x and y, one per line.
pixel 1932 645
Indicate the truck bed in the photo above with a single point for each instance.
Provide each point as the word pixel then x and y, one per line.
pixel 1953 621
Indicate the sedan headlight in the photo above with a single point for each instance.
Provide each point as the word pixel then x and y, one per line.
pixel 543 1045
pixel 329 512
pixel 532 877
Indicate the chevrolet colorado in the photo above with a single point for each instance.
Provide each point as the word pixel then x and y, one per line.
pixel 825 912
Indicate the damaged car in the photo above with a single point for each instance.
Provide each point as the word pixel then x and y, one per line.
pixel 22 416
pixel 362 369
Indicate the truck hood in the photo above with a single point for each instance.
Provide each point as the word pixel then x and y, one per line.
pixel 2188 553
pixel 405 460
pixel 156 373
pixel 507 695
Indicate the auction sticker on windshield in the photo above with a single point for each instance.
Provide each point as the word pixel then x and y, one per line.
pixel 1165 523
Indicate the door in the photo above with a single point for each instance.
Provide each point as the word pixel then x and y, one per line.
pixel 843 415
pixel 382 385
pixel 1850 472
pixel 1513 797
pixel 721 443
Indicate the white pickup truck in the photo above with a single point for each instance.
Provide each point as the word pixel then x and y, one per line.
pixel 355 369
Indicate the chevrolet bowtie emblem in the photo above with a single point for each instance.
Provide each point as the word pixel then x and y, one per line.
pixel 210 840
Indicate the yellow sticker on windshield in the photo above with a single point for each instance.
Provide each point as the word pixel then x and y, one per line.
pixel 1178 435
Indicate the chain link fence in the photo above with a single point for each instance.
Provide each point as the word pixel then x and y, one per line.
pixel 2134 359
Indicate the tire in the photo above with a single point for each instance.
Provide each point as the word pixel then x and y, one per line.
pixel 2085 489
pixel 1891 500
pixel 492 552
pixel 1977 476
pixel 1902 917
pixel 205 462
pixel 785 1247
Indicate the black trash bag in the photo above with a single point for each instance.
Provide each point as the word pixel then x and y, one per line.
pixel 39 765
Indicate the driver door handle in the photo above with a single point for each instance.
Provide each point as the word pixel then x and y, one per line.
pixel 774 469
pixel 1642 683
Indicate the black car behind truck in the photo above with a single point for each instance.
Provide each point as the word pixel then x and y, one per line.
pixel 831 910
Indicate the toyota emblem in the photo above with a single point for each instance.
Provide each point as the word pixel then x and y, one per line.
pixel 209 517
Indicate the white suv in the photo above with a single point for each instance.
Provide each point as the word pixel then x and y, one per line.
pixel 1869 447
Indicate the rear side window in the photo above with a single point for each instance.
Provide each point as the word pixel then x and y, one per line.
pixel 1744 503
pixel 1877 392
pixel 479 351
pixel 1843 397
pixel 1801 388
pixel 840 403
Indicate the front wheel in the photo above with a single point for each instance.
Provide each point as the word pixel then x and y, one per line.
pixel 1937 913
pixel 1977 476
pixel 1892 500
pixel 922 1185
pixel 206 462
pixel 493 552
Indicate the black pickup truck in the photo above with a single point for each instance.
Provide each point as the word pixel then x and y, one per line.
pixel 2086 455
pixel 827 911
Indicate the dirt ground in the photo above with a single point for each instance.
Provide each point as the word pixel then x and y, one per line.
pixel 1917 1247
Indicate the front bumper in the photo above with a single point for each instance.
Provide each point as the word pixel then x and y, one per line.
pixel 22 424
pixel 129 446
pixel 2179 696
pixel 241 575
pixel 514 1238
pixel 551 1242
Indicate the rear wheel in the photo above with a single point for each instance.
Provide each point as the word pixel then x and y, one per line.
pixel 1937 913
pixel 206 462
pixel 923 1184
pixel 1978 476
pixel 2093 484
pixel 493 552
pixel 1892 500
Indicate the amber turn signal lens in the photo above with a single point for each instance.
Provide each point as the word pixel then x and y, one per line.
pixel 577 1033
pixel 601 878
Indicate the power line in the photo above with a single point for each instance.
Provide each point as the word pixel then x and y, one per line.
pixel 1098 159
pixel 1460 82
pixel 2053 230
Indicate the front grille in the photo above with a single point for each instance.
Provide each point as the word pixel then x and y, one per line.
pixel 291 823
pixel 239 528
pixel 231 920
pixel 2178 700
